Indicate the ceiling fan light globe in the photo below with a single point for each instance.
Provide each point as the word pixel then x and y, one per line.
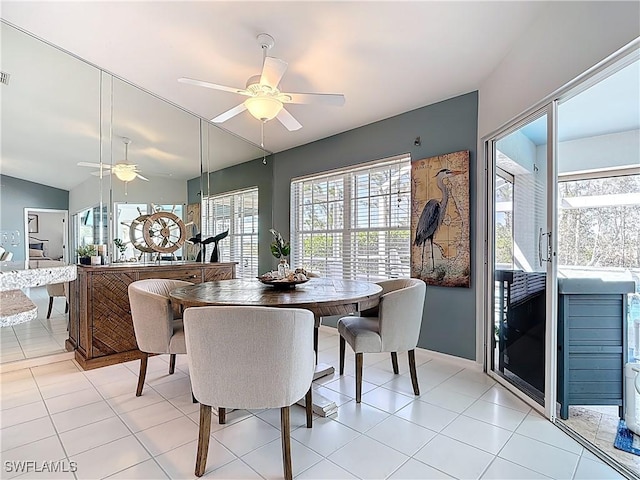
pixel 263 108
pixel 125 174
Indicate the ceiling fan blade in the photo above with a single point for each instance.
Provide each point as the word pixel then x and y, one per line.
pixel 335 99
pixel 272 71
pixel 141 177
pixel 223 117
pixel 288 121
pixel 215 86
pixel 93 165
pixel 105 173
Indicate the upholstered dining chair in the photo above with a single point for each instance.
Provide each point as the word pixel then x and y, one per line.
pixel 57 290
pixel 394 326
pixel 249 357
pixel 156 323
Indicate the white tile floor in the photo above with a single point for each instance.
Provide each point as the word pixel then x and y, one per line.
pixel 38 337
pixel 462 426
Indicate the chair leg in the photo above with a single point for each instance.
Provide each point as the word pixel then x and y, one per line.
pixel 172 363
pixel 50 307
pixel 412 370
pixel 222 415
pixel 315 343
pixel 308 403
pixel 285 433
pixel 342 348
pixel 203 439
pixel 143 373
pixel 358 377
pixel 394 362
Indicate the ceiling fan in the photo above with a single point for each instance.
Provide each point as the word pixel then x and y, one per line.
pixel 265 100
pixel 125 171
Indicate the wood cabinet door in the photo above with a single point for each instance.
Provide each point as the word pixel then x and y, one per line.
pixel 112 329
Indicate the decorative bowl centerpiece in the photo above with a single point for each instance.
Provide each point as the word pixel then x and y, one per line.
pixel 286 282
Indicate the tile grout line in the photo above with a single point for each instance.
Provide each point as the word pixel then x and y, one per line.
pixel 55 429
pixel 117 415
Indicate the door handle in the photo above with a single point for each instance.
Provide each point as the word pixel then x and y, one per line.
pixel 540 246
pixel 547 257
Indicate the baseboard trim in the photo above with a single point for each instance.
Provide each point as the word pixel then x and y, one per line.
pixel 463 362
pixel 36 362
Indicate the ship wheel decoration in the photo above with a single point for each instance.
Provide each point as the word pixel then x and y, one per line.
pixel 164 232
pixel 159 232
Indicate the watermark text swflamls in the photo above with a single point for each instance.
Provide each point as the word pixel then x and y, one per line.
pixel 24 466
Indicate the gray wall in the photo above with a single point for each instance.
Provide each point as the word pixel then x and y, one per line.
pixel 449 324
pixel 15 195
pixel 245 175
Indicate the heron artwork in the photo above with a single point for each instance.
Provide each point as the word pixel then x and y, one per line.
pixel 433 214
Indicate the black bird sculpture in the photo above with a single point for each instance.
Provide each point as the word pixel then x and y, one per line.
pixel 433 214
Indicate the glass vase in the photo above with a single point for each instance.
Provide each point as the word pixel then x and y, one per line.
pixel 283 268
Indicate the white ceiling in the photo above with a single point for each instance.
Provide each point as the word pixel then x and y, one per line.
pixel 385 57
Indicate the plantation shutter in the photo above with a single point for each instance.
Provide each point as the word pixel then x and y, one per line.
pixel 354 223
pixel 238 213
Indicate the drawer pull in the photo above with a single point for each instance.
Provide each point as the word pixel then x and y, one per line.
pixel 193 276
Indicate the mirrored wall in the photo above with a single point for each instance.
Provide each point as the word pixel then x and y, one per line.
pixel 67 125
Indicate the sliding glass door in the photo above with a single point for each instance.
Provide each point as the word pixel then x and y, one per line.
pixel 574 157
pixel 520 253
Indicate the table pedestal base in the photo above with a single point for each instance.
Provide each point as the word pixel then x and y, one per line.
pixel 322 406
pixel 322 370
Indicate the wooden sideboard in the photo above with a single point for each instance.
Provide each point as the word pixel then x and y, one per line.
pixel 100 325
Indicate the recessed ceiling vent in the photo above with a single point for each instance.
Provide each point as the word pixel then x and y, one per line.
pixel 4 78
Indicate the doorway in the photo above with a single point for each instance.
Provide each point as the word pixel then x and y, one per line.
pixel 47 234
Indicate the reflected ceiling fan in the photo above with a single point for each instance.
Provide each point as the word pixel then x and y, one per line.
pixel 265 100
pixel 125 171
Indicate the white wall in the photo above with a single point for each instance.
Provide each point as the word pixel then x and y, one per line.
pixel 157 190
pixel 603 151
pixel 566 40
pixel 86 195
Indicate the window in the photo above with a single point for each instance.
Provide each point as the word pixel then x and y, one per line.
pixel 504 219
pixel 354 223
pixel 238 213
pixel 599 222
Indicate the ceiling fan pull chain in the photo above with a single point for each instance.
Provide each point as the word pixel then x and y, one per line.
pixel 264 155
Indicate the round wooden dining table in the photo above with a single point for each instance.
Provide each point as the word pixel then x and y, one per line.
pixel 322 296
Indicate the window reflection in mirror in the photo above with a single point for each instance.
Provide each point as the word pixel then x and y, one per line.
pixel 91 228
